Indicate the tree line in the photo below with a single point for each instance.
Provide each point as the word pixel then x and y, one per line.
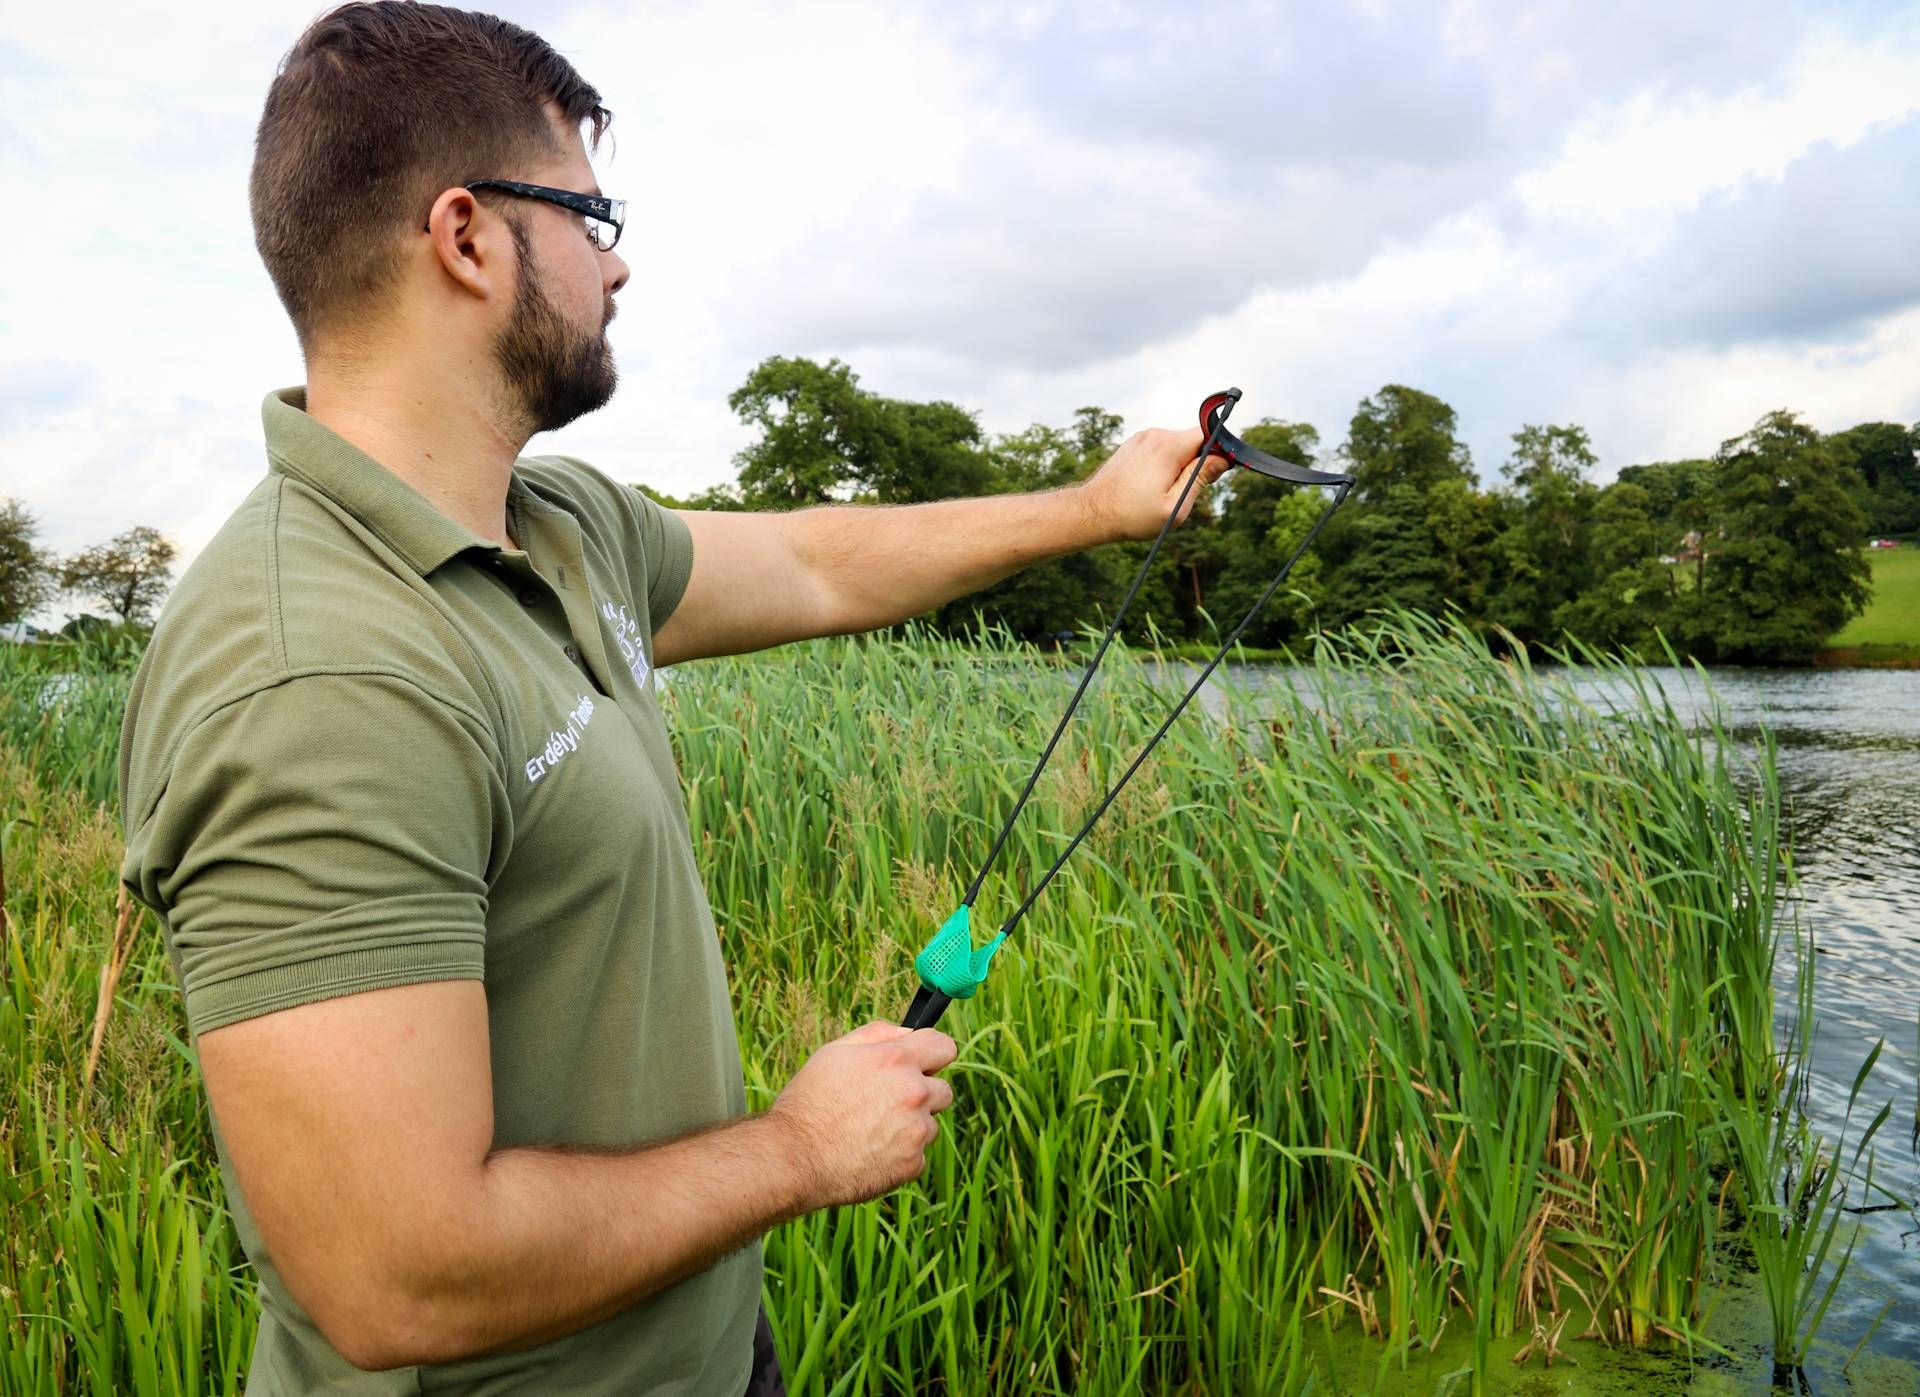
pixel 1753 555
pixel 128 575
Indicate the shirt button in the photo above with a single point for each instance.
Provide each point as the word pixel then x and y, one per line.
pixel 573 654
pixel 530 598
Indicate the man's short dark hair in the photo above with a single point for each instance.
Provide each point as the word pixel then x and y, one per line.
pixel 372 113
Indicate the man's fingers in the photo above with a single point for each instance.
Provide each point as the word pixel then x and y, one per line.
pixel 1187 443
pixel 1210 471
pixel 932 1049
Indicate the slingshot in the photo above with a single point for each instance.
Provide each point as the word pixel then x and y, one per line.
pixel 950 967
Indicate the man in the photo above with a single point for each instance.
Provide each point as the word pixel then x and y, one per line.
pixel 395 776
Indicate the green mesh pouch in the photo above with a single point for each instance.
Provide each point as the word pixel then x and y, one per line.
pixel 949 963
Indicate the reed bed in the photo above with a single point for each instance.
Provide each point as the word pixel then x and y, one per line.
pixel 1414 1002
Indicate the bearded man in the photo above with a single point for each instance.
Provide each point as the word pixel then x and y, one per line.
pixel 395 777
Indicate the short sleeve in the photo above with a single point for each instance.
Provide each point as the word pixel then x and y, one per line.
pixel 667 545
pixel 329 834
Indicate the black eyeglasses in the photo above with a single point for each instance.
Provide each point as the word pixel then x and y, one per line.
pixel 603 216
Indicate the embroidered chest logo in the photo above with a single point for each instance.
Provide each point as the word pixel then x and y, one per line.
pixel 561 742
pixel 626 630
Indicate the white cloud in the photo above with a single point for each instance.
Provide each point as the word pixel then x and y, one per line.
pixel 1024 209
pixel 1664 402
pixel 1659 154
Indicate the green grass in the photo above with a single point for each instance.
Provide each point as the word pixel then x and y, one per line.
pixel 1419 1013
pixel 1892 617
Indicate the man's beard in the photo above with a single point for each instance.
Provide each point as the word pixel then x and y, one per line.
pixel 553 373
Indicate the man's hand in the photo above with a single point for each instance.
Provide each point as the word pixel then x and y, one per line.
pixel 860 1112
pixel 1132 494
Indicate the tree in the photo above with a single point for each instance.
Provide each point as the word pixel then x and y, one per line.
pixel 1786 566
pixel 1632 593
pixel 1678 496
pixel 1548 471
pixel 129 575
pixel 27 575
pixel 818 432
pixel 1417 537
pixel 1247 498
pixel 84 625
pixel 1403 437
pixel 714 497
pixel 1293 608
pixel 823 437
pixel 1393 564
pixel 723 498
pixel 1540 555
pixel 1096 433
pixel 1259 527
pixel 1193 547
pixel 1462 523
pixel 1884 453
pixel 928 451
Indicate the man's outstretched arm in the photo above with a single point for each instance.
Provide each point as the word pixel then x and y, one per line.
pixel 764 579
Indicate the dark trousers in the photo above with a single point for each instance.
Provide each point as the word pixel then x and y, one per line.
pixel 765 1380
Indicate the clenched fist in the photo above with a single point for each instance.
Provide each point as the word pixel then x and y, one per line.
pixel 859 1114
pixel 1132 494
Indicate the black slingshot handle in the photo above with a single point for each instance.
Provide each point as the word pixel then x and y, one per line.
pixel 927 1007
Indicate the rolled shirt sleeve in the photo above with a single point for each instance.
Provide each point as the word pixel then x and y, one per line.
pixel 327 834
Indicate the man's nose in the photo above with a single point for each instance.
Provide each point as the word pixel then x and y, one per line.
pixel 620 277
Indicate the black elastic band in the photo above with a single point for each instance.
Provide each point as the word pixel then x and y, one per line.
pixel 973 890
pixel 1186 698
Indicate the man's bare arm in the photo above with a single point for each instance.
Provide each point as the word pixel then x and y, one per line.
pixel 360 1132
pixel 765 579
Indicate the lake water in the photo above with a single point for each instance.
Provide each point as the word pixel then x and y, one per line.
pixel 1848 758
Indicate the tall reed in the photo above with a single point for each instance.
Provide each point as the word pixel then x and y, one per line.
pixel 1416 998
pixel 60 707
pixel 119 1268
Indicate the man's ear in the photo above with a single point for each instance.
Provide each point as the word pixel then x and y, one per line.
pixel 467 239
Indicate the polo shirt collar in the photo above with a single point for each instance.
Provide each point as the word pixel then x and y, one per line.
pixel 406 520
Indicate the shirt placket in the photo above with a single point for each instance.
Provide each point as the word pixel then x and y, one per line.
pixel 556 567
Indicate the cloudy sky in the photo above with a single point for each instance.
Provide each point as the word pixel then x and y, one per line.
pixel 1658 220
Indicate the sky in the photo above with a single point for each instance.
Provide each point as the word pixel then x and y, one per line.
pixel 1656 220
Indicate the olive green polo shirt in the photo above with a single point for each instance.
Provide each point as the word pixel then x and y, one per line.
pixel 367 747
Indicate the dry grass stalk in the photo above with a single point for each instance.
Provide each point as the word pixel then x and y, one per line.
pixel 125 924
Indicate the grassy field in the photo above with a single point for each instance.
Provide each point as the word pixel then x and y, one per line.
pixel 1375 1039
pixel 1892 618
